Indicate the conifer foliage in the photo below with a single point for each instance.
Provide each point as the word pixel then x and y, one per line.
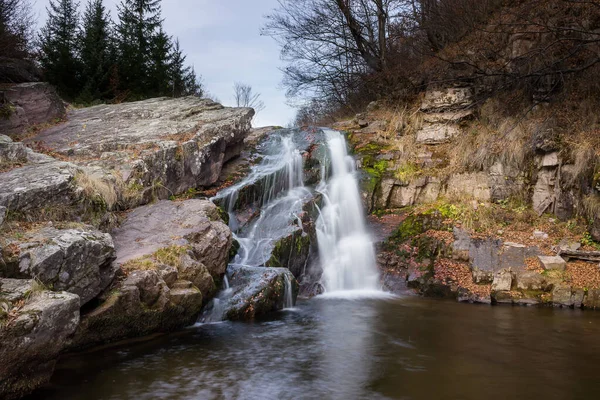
pixel 94 59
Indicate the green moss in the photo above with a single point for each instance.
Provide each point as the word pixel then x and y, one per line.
pixel 235 247
pixel 170 255
pixel 224 215
pixel 407 171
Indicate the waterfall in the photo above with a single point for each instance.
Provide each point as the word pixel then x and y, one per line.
pixel 289 295
pixel 345 247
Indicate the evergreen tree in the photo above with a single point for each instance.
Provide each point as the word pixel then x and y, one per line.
pixel 138 22
pixel 179 72
pixel 59 47
pixel 160 67
pixel 96 53
pixel 193 84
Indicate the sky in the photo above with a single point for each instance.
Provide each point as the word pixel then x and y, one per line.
pixel 222 41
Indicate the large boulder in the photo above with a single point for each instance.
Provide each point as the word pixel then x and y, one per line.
pixel 34 327
pixel 446 99
pixel 14 70
pixel 291 252
pixel 172 256
pixel 78 260
pixel 30 104
pixel 139 305
pixel 155 148
pixel 257 290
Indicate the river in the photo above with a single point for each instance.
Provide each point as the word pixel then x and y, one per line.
pixel 327 348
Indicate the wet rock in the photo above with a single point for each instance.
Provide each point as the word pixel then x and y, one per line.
pixel 157 147
pixel 291 252
pixel 139 305
pixel 466 296
pixel 257 291
pixel 592 299
pixel 565 296
pixel 30 103
pixel 77 260
pixel 32 335
pixel 502 281
pixel 553 263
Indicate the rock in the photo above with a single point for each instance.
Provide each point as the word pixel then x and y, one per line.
pixel 38 187
pixel 530 280
pixel 539 235
pixel 362 123
pixel 31 103
pixel 192 224
pixel 400 194
pixel 569 245
pixel 33 335
pixel 502 281
pixel 553 263
pixel 12 152
pixel 543 191
pixel 595 228
pixel 373 127
pixel 466 296
pixel 257 291
pixel 513 255
pixel 77 260
pixel 447 117
pixel 447 99
pixel 592 299
pixel 550 160
pixel 14 70
pixel 157 147
pixel 565 296
pixel 2 215
pixel 437 133
pixel 474 185
pixel 140 305
pixel 291 252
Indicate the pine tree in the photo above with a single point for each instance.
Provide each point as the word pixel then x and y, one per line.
pixel 179 72
pixel 59 47
pixel 160 67
pixel 138 22
pixel 193 84
pixel 96 53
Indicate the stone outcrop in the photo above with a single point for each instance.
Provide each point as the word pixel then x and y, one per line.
pixel 14 70
pixel 257 291
pixel 75 260
pixel 443 109
pixel 29 104
pixel 34 327
pixel 171 253
pixel 153 148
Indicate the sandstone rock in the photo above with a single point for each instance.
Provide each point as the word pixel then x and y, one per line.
pixel 447 99
pixel 78 260
pixel 35 187
pixel 553 263
pixel 475 185
pixel 437 133
pixel 33 335
pixel 158 147
pixel 592 299
pixel 257 291
pixel 32 103
pixel 140 305
pixel 530 280
pixel 192 223
pixel 502 281
pixel 550 160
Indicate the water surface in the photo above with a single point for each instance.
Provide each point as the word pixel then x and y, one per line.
pixel 328 348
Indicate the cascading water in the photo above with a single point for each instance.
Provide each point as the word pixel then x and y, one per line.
pixel 345 247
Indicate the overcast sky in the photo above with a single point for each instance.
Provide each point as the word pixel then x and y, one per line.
pixel 221 39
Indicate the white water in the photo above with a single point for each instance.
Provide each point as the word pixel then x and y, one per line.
pixel 345 246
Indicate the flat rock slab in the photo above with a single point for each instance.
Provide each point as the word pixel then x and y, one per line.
pixel 172 144
pixel 37 186
pixel 77 260
pixel 553 262
pixel 195 223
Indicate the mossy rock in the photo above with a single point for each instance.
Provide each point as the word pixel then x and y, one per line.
pixel 291 252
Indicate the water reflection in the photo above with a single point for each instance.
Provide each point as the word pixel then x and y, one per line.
pixel 406 348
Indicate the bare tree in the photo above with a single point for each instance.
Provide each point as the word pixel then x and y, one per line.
pixel 244 96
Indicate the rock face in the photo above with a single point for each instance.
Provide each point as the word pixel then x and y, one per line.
pixel 78 260
pixel 30 103
pixel 257 291
pixel 13 70
pixel 34 327
pixel 157 147
pixel 171 254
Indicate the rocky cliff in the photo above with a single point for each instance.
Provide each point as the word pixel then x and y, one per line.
pixel 84 258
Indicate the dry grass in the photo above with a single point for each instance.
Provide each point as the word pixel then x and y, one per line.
pixel 591 206
pixel 97 189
